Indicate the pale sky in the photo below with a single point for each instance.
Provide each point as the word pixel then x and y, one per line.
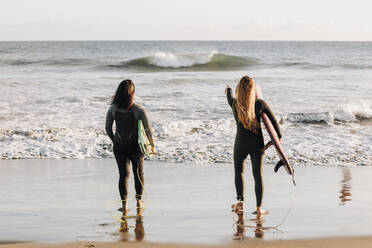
pixel 186 20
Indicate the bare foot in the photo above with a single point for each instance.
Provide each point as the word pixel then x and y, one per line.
pixel 124 207
pixel 238 208
pixel 260 211
pixel 123 210
pixel 139 203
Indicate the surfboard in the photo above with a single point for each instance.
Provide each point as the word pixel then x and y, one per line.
pixel 143 140
pixel 278 147
pixel 275 139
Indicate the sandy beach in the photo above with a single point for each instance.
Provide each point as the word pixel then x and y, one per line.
pixel 58 201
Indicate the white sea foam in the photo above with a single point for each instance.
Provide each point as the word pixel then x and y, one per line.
pixel 194 141
pixel 351 112
pixel 360 110
pixel 163 59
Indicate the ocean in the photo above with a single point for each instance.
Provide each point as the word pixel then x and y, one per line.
pixel 54 97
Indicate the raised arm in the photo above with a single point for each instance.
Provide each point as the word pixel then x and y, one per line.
pixel 147 126
pixel 266 109
pixel 228 92
pixel 109 122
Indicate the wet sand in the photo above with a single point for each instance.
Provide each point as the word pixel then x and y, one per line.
pixel 66 201
pixel 360 242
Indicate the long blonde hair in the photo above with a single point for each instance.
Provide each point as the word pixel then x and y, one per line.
pixel 245 103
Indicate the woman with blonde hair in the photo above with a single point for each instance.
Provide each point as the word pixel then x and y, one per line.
pixel 247 110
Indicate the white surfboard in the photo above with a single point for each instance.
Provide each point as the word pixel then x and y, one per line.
pixel 143 140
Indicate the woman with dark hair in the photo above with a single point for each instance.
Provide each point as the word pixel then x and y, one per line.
pixel 247 110
pixel 126 114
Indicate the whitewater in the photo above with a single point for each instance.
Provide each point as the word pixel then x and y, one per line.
pixel 54 97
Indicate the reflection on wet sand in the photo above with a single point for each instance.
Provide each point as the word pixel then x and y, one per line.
pixel 139 229
pixel 345 192
pixel 239 232
pixel 240 228
pixel 259 232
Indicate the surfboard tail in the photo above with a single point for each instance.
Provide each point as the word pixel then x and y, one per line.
pixel 291 172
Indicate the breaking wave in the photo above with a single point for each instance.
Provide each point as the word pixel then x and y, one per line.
pixel 212 61
pixel 171 61
pixel 347 114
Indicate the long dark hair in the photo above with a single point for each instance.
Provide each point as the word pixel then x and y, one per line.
pixel 124 95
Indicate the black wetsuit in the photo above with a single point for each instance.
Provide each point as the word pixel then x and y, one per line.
pixel 126 148
pixel 248 142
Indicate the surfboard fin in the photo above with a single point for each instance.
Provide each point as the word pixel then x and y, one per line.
pixel 278 165
pixel 294 182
